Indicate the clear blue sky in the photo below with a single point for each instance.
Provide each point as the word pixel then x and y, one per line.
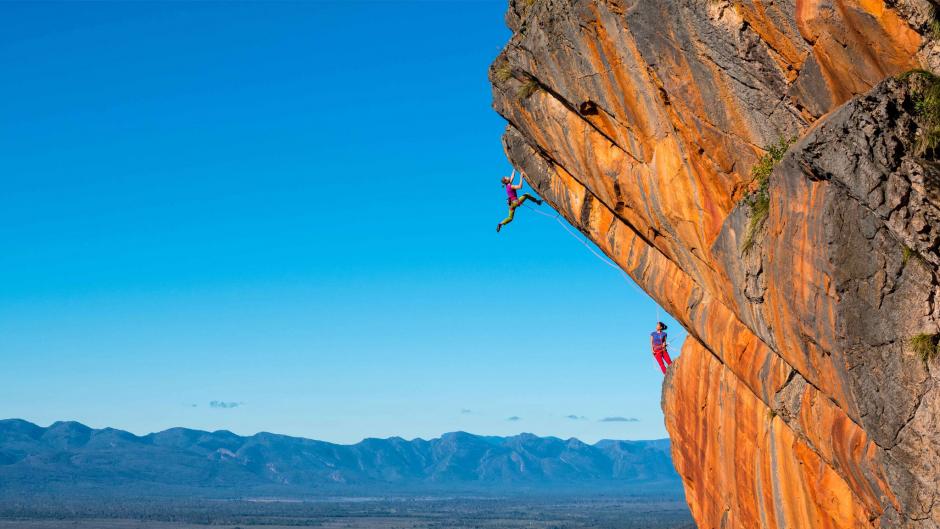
pixel 290 207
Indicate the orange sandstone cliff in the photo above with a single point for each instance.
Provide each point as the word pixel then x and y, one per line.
pixel 799 400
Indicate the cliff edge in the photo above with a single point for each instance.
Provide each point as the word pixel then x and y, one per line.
pixel 765 173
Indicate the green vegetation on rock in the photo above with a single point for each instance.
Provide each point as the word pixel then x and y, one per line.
pixel 935 29
pixel 528 88
pixel 908 253
pixel 503 71
pixel 927 346
pixel 925 87
pixel 758 201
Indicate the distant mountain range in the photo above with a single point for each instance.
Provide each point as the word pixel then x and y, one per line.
pixel 69 458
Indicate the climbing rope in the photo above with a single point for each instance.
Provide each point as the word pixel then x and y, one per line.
pixel 604 259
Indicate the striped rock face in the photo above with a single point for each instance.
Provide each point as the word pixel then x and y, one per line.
pixel 798 400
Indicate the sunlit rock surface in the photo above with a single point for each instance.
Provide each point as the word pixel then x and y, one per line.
pixel 798 401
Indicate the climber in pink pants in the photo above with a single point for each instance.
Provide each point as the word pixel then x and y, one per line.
pixel 658 344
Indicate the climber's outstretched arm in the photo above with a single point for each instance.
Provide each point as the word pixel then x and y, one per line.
pixel 519 185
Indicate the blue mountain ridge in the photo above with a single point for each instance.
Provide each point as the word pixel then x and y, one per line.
pixel 68 457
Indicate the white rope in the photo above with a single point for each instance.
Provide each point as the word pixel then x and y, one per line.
pixel 604 259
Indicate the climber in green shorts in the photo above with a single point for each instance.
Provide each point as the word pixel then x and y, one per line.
pixel 513 200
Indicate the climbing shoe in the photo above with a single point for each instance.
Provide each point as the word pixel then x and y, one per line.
pixel 499 227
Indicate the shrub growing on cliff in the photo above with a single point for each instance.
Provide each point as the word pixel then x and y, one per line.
pixel 926 345
pixel 925 87
pixel 908 253
pixel 529 87
pixel 503 71
pixel 758 201
pixel 759 204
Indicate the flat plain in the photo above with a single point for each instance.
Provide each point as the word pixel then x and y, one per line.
pixel 369 513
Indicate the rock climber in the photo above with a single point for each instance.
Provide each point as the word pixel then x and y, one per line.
pixel 658 343
pixel 513 200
